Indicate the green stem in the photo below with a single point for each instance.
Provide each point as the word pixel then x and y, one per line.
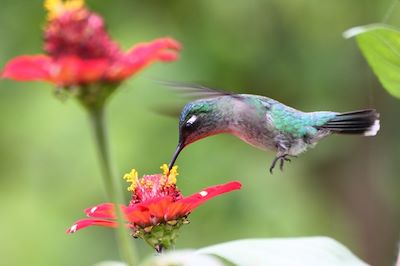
pixel 126 247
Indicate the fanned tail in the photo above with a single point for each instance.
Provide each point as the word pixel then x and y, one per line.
pixel 362 122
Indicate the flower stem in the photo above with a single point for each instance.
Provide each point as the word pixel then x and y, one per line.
pixel 126 247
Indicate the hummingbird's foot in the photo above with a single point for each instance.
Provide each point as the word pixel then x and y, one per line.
pixel 281 160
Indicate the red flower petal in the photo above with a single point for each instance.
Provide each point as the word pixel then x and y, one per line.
pixel 199 198
pixel 143 54
pixel 152 211
pixel 138 215
pixel 149 212
pixel 158 207
pixel 27 68
pixel 89 222
pixel 65 71
pixel 105 210
pixel 72 70
pixel 177 209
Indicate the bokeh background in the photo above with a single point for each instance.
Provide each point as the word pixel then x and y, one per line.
pixel 346 188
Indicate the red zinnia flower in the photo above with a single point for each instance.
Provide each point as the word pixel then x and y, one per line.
pixel 157 208
pixel 79 51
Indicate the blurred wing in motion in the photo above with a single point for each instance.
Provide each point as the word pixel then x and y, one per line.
pixel 192 91
pixel 173 111
pixel 196 91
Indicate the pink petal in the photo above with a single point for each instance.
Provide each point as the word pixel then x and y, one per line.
pixel 143 54
pixel 28 68
pixel 89 222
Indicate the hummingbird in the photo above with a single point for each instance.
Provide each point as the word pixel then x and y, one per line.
pixel 264 123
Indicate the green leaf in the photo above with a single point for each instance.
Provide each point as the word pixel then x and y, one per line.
pixel 380 45
pixel 111 263
pixel 182 258
pixel 307 251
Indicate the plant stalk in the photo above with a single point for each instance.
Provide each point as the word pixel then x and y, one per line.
pixel 126 247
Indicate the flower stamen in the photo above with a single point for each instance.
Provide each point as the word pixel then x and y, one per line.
pixel 170 176
pixel 56 7
pixel 132 177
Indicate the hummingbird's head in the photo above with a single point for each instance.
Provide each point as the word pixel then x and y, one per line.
pixel 198 120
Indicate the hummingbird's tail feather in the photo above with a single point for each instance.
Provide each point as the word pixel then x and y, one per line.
pixel 362 122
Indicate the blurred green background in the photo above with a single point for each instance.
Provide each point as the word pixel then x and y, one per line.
pixel 346 188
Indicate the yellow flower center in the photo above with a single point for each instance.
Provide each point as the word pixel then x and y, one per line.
pixel 166 180
pixel 169 175
pixel 56 7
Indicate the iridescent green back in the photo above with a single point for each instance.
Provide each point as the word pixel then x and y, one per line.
pixel 296 123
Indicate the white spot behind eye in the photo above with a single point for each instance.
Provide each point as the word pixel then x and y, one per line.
pixel 191 120
pixel 92 210
pixel 203 193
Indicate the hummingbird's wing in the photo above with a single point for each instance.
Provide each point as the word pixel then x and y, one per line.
pixel 197 91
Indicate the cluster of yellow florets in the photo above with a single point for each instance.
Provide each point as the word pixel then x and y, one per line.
pixel 57 7
pixel 167 179
pixel 132 177
pixel 169 176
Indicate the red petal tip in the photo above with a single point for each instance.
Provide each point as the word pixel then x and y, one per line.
pixel 234 185
pixel 168 56
pixel 171 43
pixel 72 229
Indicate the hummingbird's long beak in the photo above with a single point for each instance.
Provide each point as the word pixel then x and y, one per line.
pixel 179 148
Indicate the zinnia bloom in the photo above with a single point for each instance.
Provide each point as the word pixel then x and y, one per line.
pixel 80 52
pixel 157 208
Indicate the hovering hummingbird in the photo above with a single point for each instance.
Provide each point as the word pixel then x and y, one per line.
pixel 264 123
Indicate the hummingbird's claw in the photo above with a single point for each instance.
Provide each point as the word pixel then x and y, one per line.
pixel 281 160
pixel 271 169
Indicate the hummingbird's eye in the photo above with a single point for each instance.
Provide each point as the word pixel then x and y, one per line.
pixel 191 121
